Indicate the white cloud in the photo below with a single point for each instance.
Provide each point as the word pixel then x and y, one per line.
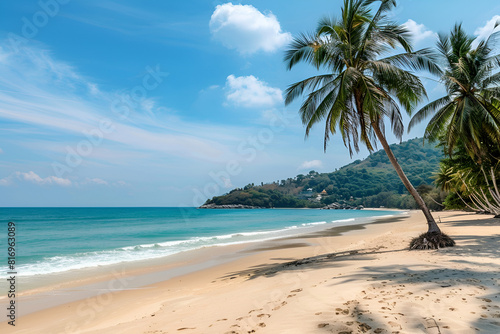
pixel 35 178
pixel 6 181
pixel 246 29
pixel 32 177
pixel 419 32
pixel 250 92
pixel 485 31
pixel 93 89
pixel 1 151
pixel 120 184
pixel 95 181
pixel 311 164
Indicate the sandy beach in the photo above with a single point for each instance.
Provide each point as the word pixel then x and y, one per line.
pixel 358 279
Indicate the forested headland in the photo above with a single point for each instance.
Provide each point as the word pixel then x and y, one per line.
pixel 371 182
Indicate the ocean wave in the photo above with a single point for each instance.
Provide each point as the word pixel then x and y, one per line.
pixel 314 224
pixel 61 263
pixel 57 264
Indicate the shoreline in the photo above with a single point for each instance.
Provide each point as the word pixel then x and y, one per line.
pixel 90 281
pixel 49 281
pixel 255 286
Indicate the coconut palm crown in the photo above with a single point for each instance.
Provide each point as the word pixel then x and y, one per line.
pixel 470 111
pixel 364 84
pixel 362 88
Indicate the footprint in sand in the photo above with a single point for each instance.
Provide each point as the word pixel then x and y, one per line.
pixel 279 306
pixel 343 311
pixel 395 325
pixel 364 327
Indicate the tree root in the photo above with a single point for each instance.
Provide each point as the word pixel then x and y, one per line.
pixel 431 240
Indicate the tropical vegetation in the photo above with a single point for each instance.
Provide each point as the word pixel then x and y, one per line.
pixel 470 185
pixel 466 121
pixel 469 113
pixel 371 182
pixel 364 85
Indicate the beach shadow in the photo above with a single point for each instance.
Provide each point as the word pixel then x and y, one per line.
pixel 339 230
pixel 360 321
pixel 483 247
pixel 435 283
pixel 487 221
pixel 420 292
pixel 330 260
pixel 460 214
pixel 276 247
pixel 475 269
pixel 479 246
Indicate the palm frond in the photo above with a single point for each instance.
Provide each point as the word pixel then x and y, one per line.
pixel 423 59
pixel 405 86
pixel 439 122
pixel 425 111
pixel 301 49
pixel 297 89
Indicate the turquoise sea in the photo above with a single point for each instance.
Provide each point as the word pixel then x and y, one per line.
pixel 52 240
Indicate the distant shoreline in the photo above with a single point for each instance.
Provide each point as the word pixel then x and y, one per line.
pixel 240 206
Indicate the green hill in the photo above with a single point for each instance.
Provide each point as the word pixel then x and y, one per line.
pixel 369 182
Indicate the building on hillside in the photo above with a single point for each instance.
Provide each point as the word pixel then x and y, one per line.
pixel 306 194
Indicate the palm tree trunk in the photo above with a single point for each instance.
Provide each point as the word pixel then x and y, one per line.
pixel 433 227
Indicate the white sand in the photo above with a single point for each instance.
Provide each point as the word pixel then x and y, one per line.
pixel 364 281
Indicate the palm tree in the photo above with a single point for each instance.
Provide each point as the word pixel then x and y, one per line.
pixel 470 111
pixel 474 184
pixel 361 88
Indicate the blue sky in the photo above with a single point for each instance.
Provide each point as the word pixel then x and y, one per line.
pixel 166 103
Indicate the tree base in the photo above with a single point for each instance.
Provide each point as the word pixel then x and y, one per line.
pixel 431 240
